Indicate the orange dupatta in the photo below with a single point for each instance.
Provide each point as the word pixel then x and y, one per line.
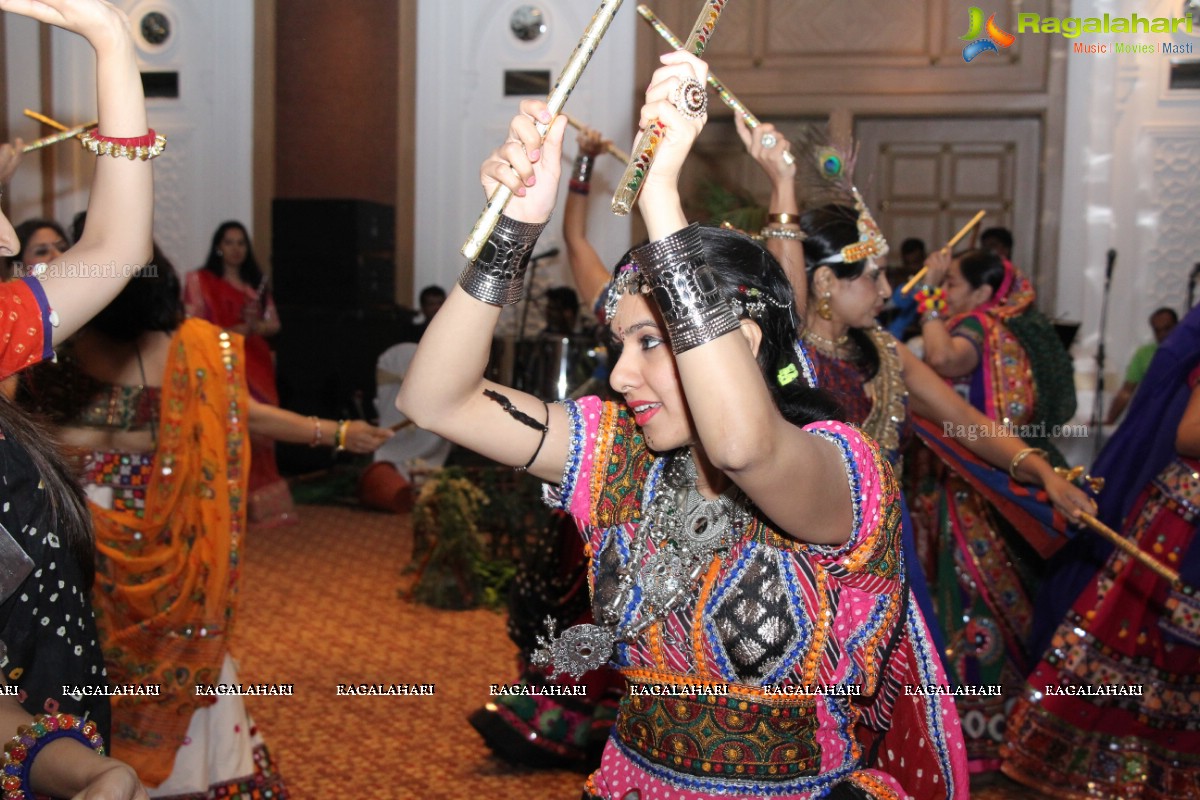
pixel 166 582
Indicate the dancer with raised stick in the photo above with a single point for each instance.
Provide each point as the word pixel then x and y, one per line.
pixel 554 104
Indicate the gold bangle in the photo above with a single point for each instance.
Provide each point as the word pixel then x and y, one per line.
pixel 339 439
pixel 783 218
pixel 1021 456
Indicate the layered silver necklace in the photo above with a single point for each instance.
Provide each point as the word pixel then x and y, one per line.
pixel 687 530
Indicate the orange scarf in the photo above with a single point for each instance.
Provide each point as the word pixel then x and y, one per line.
pixel 166 583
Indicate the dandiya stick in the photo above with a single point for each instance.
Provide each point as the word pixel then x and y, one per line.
pixel 727 97
pixel 46 141
pixel 647 143
pixel 908 287
pixel 557 99
pixel 610 147
pixel 1159 568
pixel 399 426
pixel 42 118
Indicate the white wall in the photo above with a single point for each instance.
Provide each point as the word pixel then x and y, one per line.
pixel 204 176
pixel 1132 183
pixel 464 48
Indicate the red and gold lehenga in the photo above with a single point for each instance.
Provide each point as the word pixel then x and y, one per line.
pixel 169 525
pixel 210 297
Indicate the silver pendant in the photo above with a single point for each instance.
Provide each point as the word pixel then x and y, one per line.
pixel 580 649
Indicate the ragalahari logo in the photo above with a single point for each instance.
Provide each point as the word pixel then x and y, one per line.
pixel 993 41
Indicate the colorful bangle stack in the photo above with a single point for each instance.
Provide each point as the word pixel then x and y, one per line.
pixel 581 177
pixel 20 751
pixel 931 302
pixel 339 438
pixel 140 147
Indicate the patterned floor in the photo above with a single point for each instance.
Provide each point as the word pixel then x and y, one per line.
pixel 320 607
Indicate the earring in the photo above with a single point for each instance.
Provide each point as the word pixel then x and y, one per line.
pixel 219 253
pixel 824 307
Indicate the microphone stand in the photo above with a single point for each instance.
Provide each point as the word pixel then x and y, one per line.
pixel 533 262
pixel 1098 399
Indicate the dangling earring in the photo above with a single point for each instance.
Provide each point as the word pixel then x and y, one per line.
pixel 219 254
pixel 824 307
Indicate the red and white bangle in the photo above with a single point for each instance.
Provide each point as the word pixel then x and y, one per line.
pixel 140 147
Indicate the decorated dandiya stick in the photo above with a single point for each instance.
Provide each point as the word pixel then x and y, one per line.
pixel 727 97
pixel 46 141
pixel 609 147
pixel 555 101
pixel 1142 557
pixel 908 287
pixel 647 143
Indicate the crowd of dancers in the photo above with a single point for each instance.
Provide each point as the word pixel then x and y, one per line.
pixel 819 563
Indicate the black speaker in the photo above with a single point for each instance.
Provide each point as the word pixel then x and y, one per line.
pixel 333 253
pixel 325 366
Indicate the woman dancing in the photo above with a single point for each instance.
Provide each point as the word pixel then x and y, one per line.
pixel 230 291
pixel 49 649
pixel 1128 632
pixel 157 409
pixel 744 546
pixel 882 386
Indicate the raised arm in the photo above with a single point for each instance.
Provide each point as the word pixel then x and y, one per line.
pixel 589 272
pixel 120 207
pixel 934 400
pixel 783 212
pixel 740 429
pixel 444 390
pixel 950 356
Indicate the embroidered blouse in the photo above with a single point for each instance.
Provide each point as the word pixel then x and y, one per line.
pixel 805 643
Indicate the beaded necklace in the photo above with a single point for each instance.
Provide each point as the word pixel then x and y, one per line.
pixel 688 529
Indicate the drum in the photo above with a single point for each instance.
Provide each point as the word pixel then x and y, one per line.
pixel 553 366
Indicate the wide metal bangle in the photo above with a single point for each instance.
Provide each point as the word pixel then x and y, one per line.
pixel 686 290
pixel 497 277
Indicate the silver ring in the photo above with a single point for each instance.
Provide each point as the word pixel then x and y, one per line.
pixel 690 98
pixel 768 141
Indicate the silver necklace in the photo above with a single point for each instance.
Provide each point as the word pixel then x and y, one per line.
pixel 687 530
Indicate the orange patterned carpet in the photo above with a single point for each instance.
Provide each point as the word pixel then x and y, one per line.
pixel 319 606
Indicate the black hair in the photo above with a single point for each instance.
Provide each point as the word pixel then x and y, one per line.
pixel 150 301
pixel 1002 235
pixel 68 509
pixel 249 271
pixel 827 230
pixel 28 228
pixel 1166 310
pixel 911 246
pixel 982 268
pixel 430 291
pixel 740 264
